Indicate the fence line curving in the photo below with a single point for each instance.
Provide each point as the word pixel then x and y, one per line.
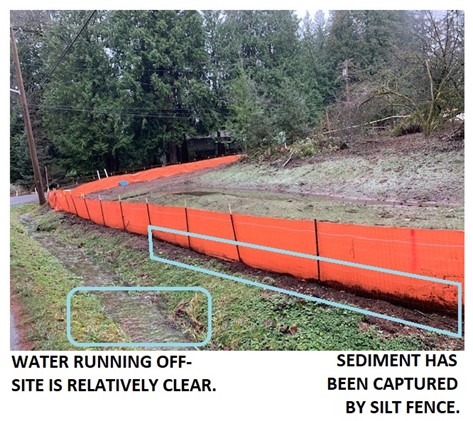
pixel 433 253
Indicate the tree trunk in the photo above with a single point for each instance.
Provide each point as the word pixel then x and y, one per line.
pixel 172 153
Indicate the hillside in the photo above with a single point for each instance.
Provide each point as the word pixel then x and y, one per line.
pixel 410 181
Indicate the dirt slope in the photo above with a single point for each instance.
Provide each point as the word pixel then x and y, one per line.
pixel 408 181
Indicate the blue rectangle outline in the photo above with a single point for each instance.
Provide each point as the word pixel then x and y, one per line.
pixel 139 344
pixel 152 256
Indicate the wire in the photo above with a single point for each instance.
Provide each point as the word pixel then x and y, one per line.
pixel 111 111
pixel 135 112
pixel 66 50
pixel 74 69
pixel 107 109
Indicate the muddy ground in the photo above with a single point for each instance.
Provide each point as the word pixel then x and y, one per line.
pixel 409 181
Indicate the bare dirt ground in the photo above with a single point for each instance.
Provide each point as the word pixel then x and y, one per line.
pixel 409 181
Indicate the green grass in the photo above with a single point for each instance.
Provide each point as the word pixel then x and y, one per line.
pixel 244 317
pixel 40 284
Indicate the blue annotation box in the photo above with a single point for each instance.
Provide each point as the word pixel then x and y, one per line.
pixel 138 344
pixel 457 334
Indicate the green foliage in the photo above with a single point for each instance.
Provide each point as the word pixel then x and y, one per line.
pixel 268 93
pixel 399 63
pixel 31 25
pixel 248 124
pixel 82 101
pixel 315 144
pixel 21 171
pixel 136 82
pixel 364 38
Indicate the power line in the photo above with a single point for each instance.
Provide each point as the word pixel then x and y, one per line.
pixel 111 111
pixel 135 112
pixel 106 109
pixel 155 69
pixel 66 50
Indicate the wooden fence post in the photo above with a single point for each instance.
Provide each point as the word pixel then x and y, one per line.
pixel 86 207
pixel 74 203
pixel 187 224
pixel 234 233
pixel 121 212
pixel 147 210
pixel 67 201
pixel 101 210
pixel 317 248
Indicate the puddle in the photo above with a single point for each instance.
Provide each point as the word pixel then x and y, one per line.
pixel 195 193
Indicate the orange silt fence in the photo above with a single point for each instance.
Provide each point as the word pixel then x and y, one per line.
pixel 62 202
pixel 52 199
pixel 94 207
pixel 215 224
pixel 57 200
pixel 169 217
pixel 70 202
pixel 161 172
pixel 81 207
pixel 434 253
pixel 135 217
pixel 112 214
pixel 292 235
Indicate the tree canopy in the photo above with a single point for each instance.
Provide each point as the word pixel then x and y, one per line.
pixel 134 84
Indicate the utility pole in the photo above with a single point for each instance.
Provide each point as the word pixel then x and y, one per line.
pixel 26 117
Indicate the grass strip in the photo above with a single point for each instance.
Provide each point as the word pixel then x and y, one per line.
pixel 40 284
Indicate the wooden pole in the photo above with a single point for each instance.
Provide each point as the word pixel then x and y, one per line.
pixel 329 128
pixel 74 203
pixel 26 118
pixel 121 211
pixel 346 77
pixel 47 178
pixel 101 209
pixel 187 224
pixel 147 210
pixel 317 248
pixel 86 207
pixel 234 232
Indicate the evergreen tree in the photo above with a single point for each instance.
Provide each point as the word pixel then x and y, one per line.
pixel 82 106
pixel 135 83
pixel 162 65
